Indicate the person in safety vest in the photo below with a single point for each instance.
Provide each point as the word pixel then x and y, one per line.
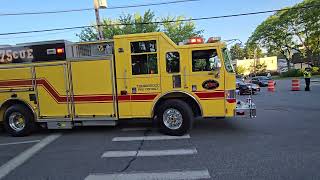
pixel 307 77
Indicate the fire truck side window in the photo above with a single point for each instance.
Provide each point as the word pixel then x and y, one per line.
pixel 144 57
pixel 201 59
pixel 173 62
pixel 144 64
pixel 143 46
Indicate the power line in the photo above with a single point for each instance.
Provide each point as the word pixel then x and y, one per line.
pixel 89 9
pixel 158 22
pixel 46 34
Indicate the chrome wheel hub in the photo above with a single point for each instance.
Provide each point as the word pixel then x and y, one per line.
pixel 17 121
pixel 172 118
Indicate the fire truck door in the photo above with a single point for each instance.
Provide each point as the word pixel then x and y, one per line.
pixel 144 76
pixel 172 69
pixel 53 93
pixel 207 81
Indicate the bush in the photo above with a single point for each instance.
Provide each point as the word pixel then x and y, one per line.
pixel 292 73
pixel 274 73
pixel 315 70
pixel 316 73
pixel 261 74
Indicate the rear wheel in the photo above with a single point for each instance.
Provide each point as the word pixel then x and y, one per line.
pixel 175 117
pixel 18 121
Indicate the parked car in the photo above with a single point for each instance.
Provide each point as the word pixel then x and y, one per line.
pixel 242 87
pixel 261 81
pixel 255 87
pixel 239 77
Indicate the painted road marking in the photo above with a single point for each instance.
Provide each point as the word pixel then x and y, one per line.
pixel 134 129
pixel 141 153
pixel 24 156
pixel 197 174
pixel 21 142
pixel 150 138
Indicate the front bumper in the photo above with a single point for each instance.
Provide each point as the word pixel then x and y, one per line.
pixel 246 109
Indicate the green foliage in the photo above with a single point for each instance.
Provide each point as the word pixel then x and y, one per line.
pixel 253 51
pixel 315 69
pixel 240 70
pixel 200 65
pixel 291 30
pixel 258 68
pixel 261 68
pixel 179 31
pixel 292 73
pixel 237 52
pixel 131 24
pixel 249 51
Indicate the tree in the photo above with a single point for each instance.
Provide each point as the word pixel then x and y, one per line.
pixel 240 70
pixel 304 26
pixel 274 36
pixel 289 30
pixel 237 52
pixel 252 51
pixel 131 24
pixel 258 68
pixel 179 31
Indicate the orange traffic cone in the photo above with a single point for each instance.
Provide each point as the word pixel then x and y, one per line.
pixel 271 86
pixel 295 85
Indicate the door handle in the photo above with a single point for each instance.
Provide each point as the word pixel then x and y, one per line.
pixel 125 78
pixel 185 77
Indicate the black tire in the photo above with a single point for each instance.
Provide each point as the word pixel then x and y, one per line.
pixel 186 113
pixel 28 120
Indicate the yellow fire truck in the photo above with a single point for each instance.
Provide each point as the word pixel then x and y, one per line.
pixel 60 85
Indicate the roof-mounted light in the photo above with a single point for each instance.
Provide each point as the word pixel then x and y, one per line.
pixel 195 40
pixel 214 39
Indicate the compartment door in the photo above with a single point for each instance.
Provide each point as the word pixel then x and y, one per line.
pixel 93 88
pixel 53 91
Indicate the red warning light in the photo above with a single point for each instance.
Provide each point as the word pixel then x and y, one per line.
pixel 196 40
pixel 60 50
pixel 214 39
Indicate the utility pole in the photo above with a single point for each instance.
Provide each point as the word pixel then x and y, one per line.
pixel 99 4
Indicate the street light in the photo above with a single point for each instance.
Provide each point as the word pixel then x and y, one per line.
pixel 99 4
pixel 233 40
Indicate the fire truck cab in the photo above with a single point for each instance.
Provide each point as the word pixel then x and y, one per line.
pixel 59 84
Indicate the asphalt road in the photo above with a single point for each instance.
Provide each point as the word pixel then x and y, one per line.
pixel 281 143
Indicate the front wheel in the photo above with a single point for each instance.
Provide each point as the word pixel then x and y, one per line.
pixel 175 117
pixel 18 121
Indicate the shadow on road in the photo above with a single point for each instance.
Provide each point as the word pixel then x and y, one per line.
pixel 218 126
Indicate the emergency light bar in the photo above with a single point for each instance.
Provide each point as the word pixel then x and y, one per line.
pixel 214 39
pixel 195 40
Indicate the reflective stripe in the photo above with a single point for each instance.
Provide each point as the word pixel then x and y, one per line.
pixel 307 74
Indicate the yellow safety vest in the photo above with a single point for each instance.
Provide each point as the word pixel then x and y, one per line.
pixel 307 74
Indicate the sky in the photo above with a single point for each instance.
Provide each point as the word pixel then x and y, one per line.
pixel 227 28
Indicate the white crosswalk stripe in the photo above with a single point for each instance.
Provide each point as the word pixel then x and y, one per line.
pixel 150 138
pixel 174 175
pixel 150 175
pixel 141 153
